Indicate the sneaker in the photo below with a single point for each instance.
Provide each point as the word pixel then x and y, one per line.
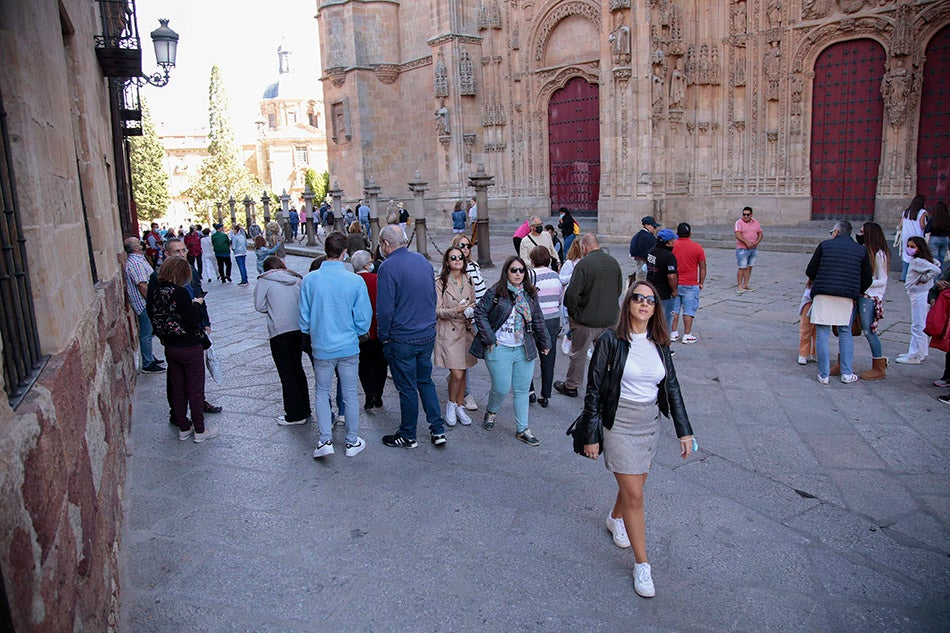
pixel 397 441
pixel 450 417
pixel 643 580
pixel 462 416
pixel 908 359
pixel 689 338
pixel 212 408
pixel 282 421
pixel 489 421
pixel 209 434
pixel 674 336
pixel 944 398
pixel 470 403
pixel 619 531
pixel 437 439
pixel 184 435
pixel 323 449
pixel 802 360
pixel 849 378
pixel 153 368
pixel 528 438
pixel 352 450
pixel 812 358
pixel 940 382
pixel 823 379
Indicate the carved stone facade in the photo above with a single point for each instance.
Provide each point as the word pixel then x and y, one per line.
pixel 704 106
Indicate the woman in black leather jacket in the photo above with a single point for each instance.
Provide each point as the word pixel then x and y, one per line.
pixel 509 334
pixel 630 381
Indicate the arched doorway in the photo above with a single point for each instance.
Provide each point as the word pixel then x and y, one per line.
pixel 574 146
pixel 933 138
pixel 847 120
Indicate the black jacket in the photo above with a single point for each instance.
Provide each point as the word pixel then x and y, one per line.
pixel 603 388
pixel 492 311
pixel 840 267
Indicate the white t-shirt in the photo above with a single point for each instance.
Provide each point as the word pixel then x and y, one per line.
pixel 643 371
pixel 506 335
pixel 910 228
pixel 473 213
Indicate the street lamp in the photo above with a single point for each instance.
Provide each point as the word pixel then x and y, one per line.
pixel 165 41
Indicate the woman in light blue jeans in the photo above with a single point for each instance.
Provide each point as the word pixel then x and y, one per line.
pixel 871 303
pixel 940 234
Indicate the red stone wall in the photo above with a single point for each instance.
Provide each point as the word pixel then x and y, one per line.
pixel 61 488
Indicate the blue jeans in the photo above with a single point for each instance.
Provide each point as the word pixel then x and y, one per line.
pixel 938 247
pixel 845 348
pixel 411 367
pixel 866 312
pixel 145 338
pixel 510 371
pixel 242 266
pixel 348 370
pixel 568 240
pixel 668 305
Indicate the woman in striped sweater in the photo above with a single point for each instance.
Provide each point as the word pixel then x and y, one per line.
pixel 549 289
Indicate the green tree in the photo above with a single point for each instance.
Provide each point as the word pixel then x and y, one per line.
pixel 222 174
pixel 319 183
pixel 149 180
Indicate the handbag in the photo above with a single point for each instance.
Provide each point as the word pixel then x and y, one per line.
pixel 577 432
pixel 213 365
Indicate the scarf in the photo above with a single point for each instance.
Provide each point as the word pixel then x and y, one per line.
pixel 522 307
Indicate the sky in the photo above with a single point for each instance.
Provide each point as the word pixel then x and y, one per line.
pixel 242 39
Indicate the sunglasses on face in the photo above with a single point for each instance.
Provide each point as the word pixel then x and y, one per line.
pixel 747 215
pixel 465 245
pixel 456 258
pixel 517 270
pixel 650 300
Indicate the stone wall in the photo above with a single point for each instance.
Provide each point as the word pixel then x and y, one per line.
pixel 63 448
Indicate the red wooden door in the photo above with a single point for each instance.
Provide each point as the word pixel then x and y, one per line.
pixel 574 146
pixel 933 139
pixel 846 124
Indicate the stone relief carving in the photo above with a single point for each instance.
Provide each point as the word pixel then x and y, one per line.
pixel 441 77
pixel 702 65
pixel 902 40
pixel 657 94
pixel 494 114
pixel 466 74
pixel 815 9
pixel 739 17
pixel 558 14
pixel 773 70
pixel 442 119
pixel 796 89
pixel 737 72
pixel 468 140
pixel 896 89
pixel 774 14
pixel 489 16
pixel 620 45
pixel 616 5
pixel 678 86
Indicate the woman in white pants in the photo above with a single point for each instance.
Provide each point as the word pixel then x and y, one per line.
pixel 921 272
pixel 208 262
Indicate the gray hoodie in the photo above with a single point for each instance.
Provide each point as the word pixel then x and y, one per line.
pixel 277 294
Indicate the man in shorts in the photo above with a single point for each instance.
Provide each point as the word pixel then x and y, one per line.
pixel 691 268
pixel 748 235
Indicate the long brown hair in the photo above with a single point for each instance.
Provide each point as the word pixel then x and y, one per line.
pixel 915 206
pixel 941 220
pixel 922 249
pixel 501 287
pixel 875 242
pixel 657 329
pixel 443 277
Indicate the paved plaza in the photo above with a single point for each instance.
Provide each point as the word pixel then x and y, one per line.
pixel 807 508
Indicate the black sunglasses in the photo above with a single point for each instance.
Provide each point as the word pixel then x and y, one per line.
pixel 463 245
pixel 647 299
pixel 518 270
pixel 746 215
pixel 456 258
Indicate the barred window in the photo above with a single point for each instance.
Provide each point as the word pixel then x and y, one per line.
pixel 301 155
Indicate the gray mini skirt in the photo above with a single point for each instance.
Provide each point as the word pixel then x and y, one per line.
pixel 629 445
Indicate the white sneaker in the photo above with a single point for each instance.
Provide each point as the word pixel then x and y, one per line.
pixel 184 435
pixel 462 416
pixel 450 415
pixel 849 378
pixel 470 403
pixel 323 449
pixel 210 433
pixel 282 421
pixel 689 338
pixel 802 360
pixel 823 379
pixel 674 336
pixel 352 450
pixel 619 531
pixel 643 580
pixel 908 359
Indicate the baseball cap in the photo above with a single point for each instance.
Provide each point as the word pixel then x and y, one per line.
pixel 648 219
pixel 665 235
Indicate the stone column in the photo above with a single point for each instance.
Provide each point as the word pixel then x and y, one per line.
pixel 308 203
pixel 220 215
pixel 481 182
pixel 337 194
pixel 231 203
pixel 371 193
pixel 248 203
pixel 283 216
pixel 418 189
pixel 265 200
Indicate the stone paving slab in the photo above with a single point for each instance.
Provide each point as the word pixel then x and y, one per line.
pixel 808 508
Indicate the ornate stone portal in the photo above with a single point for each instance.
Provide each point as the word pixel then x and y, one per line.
pixel 704 106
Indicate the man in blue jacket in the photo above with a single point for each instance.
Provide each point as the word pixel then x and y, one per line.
pixel 405 321
pixel 838 273
pixel 335 310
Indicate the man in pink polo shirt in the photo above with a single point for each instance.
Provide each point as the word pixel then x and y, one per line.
pixel 748 235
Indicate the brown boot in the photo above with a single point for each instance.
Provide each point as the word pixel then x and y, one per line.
pixel 836 368
pixel 877 371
